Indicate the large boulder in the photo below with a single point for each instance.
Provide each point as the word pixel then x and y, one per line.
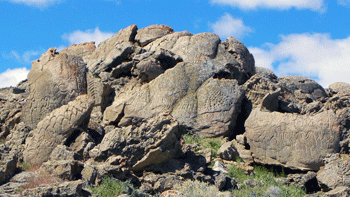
pixel 143 143
pixel 67 189
pixel 113 51
pixel 192 94
pixel 339 87
pixel 56 128
pixel 148 34
pixel 83 50
pixel 54 79
pixel 292 140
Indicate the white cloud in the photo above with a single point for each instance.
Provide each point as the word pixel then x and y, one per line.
pixel 228 26
pixel 314 55
pixel 344 2
pixel 316 5
pixel 78 37
pixel 13 77
pixel 37 3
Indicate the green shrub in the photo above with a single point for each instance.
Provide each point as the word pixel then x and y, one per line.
pixel 197 189
pixel 110 187
pixel 267 183
pixel 213 143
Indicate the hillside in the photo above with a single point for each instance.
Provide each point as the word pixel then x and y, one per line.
pixel 158 109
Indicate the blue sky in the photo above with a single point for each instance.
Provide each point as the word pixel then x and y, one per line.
pixel 302 37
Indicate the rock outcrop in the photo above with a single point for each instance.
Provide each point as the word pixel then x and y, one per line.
pixel 54 80
pixel 121 110
pixel 143 143
pixel 56 128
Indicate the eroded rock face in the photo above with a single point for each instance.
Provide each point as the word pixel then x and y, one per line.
pixel 292 140
pixel 112 51
pixel 55 79
pixel 148 34
pixel 147 142
pixel 11 103
pixel 82 50
pixel 335 173
pixel 55 129
pixel 8 161
pixel 192 95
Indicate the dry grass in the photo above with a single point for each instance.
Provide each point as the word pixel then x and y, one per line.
pixel 29 167
pixel 40 180
pixel 196 188
pixel 37 179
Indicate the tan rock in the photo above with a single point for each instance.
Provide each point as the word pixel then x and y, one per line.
pixel 148 34
pixel 55 129
pixel 55 79
pixel 292 140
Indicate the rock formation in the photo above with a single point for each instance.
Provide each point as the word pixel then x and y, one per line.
pixel 121 109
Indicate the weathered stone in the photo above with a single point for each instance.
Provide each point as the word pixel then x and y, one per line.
pixel 256 88
pixel 89 174
pixel 112 51
pixel 227 151
pixel 11 102
pixel 224 182
pixel 243 153
pixel 62 152
pixel 339 87
pixel 153 141
pixel 99 91
pixel 148 34
pixel 340 191
pixel 207 154
pixel 265 72
pixel 273 191
pixel 208 105
pixel 8 162
pixel 189 47
pixel 220 167
pixel 81 143
pixel 151 64
pixel 241 139
pixel 64 169
pixel 241 54
pixel 297 92
pixel 83 50
pixel 67 189
pixel 291 140
pixel 301 180
pixel 55 79
pixel 270 101
pixel 335 173
pixel 56 128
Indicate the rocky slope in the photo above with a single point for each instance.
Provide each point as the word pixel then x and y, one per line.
pixel 121 109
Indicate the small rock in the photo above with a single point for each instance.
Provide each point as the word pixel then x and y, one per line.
pixel 227 151
pixel 220 167
pixel 273 191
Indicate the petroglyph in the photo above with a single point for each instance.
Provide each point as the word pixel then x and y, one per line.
pixel 292 140
pixel 55 128
pixel 53 84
